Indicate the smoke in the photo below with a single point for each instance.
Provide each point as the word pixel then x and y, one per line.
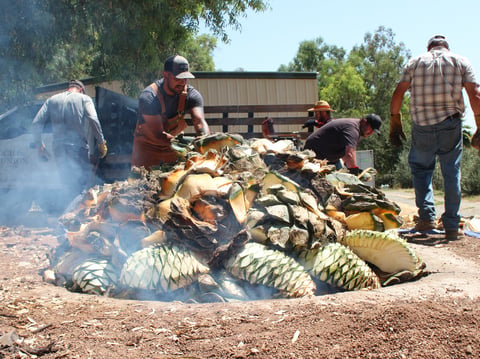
pixel 30 186
pixel 26 182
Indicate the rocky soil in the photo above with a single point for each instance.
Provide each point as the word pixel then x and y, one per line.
pixel 435 317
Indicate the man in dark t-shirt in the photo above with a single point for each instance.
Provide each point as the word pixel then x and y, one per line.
pixel 339 139
pixel 162 106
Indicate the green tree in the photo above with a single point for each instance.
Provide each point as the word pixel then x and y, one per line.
pixel 338 82
pixel 198 50
pixel 50 40
pixel 313 56
pixel 345 88
pixel 380 60
pixel 22 53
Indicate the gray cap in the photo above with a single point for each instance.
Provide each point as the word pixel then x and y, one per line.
pixel 441 40
pixel 78 84
pixel 178 66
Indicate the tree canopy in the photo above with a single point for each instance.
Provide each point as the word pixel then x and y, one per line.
pixel 45 41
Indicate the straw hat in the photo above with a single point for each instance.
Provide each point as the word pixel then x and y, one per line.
pixel 321 106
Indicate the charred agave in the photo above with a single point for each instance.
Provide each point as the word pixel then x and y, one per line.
pixel 223 217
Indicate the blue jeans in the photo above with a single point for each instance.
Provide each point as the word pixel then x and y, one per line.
pixel 445 141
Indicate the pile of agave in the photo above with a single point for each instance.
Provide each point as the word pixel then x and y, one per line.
pixel 232 220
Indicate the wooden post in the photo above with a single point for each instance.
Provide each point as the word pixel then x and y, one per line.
pixel 225 124
pixel 250 127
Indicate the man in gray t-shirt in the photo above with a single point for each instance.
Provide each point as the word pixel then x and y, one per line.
pixel 76 134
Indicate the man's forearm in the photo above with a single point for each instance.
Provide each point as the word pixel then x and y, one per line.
pixel 201 127
pixel 350 158
pixel 199 122
pixel 397 97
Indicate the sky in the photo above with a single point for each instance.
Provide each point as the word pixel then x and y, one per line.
pixel 271 38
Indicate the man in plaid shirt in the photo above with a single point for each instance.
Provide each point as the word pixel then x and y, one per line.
pixel 436 79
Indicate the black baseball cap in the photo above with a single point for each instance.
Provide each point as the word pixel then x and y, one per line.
pixel 178 66
pixel 374 121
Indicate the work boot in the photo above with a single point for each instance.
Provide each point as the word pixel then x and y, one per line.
pixel 425 226
pixel 453 234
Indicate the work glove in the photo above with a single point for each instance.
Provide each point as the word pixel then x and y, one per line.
pixel 312 122
pixel 396 131
pixel 102 149
pixel 354 171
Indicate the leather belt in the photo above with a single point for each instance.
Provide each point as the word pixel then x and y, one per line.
pixel 455 116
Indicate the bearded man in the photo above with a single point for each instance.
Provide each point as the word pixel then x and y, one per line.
pixel 162 106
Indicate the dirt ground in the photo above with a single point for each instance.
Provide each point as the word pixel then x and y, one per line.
pixel 435 317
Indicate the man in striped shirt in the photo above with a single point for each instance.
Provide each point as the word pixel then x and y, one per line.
pixel 435 80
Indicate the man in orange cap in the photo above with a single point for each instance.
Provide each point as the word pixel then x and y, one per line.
pixel 322 112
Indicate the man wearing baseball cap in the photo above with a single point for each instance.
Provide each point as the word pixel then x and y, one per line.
pixel 436 80
pixel 338 140
pixel 77 135
pixel 162 106
pixel 322 112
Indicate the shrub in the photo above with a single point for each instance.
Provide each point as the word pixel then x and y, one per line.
pixel 470 167
pixel 470 171
pixel 402 175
